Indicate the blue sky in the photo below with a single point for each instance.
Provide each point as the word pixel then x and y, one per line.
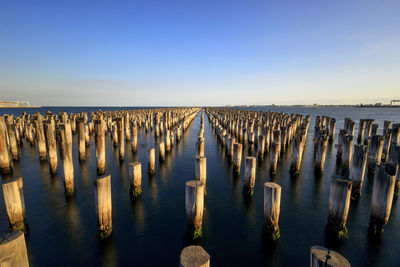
pixel 199 52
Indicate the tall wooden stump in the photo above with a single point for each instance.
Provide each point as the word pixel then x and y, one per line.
pixel 66 143
pixel 102 195
pixel 100 143
pixel 237 157
pixel 200 147
pixel 13 250
pixel 274 157
pixel 339 202
pixel 298 146
pixel 347 149
pixel 40 137
pixel 161 151
pixel 322 257
pixel 134 140
pixel 357 170
pixel 249 175
pixel 194 256
pixel 272 207
pixel 261 146
pixel 151 161
pixel 321 145
pixel 194 201
pixel 5 157
pixel 201 170
pixel 375 152
pixel 81 139
pixel 382 197
pixel 15 204
pixel 12 139
pixel 51 146
pixel 135 178
pixel 121 138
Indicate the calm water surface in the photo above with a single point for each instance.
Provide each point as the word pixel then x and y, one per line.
pixel 150 230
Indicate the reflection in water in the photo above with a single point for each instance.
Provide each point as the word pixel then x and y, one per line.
pixel 139 214
pixel 108 255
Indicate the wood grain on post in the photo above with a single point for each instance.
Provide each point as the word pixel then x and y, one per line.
pixel 194 256
pixel 13 250
pixel 339 203
pixel 135 178
pixel 100 143
pixel 104 205
pixel 51 146
pixel 5 157
pixel 357 170
pixel 201 170
pixel 15 204
pixel 322 257
pixel 237 156
pixel 194 202
pixel 151 161
pixel 250 174
pixel 66 143
pixel 272 207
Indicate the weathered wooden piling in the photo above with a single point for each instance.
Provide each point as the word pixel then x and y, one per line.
pixel 261 146
pixel 274 156
pixel 200 147
pixel 167 141
pixel 201 170
pixel 81 138
pixel 15 205
pixel 361 128
pixel 13 250
pixel 135 178
pixel 121 138
pixel 339 202
pixel 51 146
pixel 12 140
pixel 194 201
pixel 151 161
pixel 40 138
pixel 103 205
pixel 382 197
pixel 237 157
pixel 161 151
pixel 375 151
pixel 321 145
pixel 249 175
pixel 272 207
pixel 298 146
pixel 134 140
pixel 357 170
pixel 194 256
pixel 323 257
pixel 347 149
pixel 5 157
pixel 68 165
pixel 100 143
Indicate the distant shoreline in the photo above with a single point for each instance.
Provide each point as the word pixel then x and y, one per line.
pixel 23 107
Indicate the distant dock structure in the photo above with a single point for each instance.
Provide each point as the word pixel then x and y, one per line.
pixel 16 104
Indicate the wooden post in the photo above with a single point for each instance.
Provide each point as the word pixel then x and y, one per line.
pixel 194 201
pixel 12 140
pixel 41 142
pixel 13 250
pixel 103 205
pixel 121 138
pixel 347 149
pixel 194 256
pixel 51 146
pixel 5 157
pixel 249 175
pixel 81 140
pixel 15 204
pixel 394 159
pixel 339 202
pixel 87 136
pixel 298 146
pixel 321 145
pixel 361 129
pixel 382 197
pixel 134 140
pixel 162 151
pixel 261 146
pixel 66 143
pixel 201 170
pixel 275 148
pixel 200 147
pixel 322 257
pixel 272 207
pixel 237 157
pixel 167 141
pixel 135 178
pixel 100 143
pixel 127 127
pixel 357 170
pixel 375 152
pixel 152 161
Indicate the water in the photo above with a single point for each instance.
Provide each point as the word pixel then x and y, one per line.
pixel 150 231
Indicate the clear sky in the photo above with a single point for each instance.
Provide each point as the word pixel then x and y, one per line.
pixel 199 52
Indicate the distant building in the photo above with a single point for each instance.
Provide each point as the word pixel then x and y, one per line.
pixel 14 104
